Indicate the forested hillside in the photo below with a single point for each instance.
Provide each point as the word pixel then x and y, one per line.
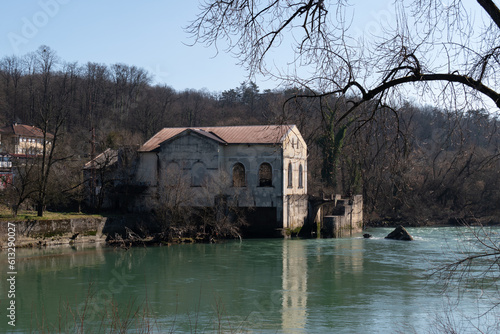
pixel 421 164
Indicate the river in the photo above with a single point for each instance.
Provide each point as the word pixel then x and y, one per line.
pixel 348 285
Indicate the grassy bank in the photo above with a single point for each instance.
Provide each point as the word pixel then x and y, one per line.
pixel 23 215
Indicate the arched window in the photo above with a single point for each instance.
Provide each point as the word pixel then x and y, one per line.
pixel 301 177
pixel 239 175
pixel 265 175
pixel 290 175
pixel 198 174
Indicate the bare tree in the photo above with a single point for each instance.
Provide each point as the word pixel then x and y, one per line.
pixel 130 83
pixel 11 71
pixel 174 205
pixel 22 187
pixel 445 52
pixel 432 51
pixel 153 109
pixel 51 94
pixel 475 268
pixel 426 43
pixel 220 217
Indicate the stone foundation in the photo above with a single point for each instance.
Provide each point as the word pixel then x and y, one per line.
pixel 346 220
pixel 35 233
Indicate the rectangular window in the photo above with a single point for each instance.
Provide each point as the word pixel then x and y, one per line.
pixel 290 175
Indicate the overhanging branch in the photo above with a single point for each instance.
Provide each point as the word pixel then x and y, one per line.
pixel 463 79
pixel 416 77
pixel 492 10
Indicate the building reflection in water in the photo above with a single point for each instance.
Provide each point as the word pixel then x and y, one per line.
pixel 294 285
pixel 333 273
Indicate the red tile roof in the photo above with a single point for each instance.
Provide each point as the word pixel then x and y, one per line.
pixel 252 134
pixel 25 131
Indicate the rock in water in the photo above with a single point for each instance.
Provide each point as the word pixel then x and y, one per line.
pixel 367 235
pixel 400 233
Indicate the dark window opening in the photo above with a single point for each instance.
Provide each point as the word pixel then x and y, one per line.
pixel 290 175
pixel 239 175
pixel 301 177
pixel 265 175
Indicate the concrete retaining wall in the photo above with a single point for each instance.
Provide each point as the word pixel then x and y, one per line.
pixel 344 224
pixel 54 232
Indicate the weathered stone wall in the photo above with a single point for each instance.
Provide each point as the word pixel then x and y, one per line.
pixel 336 227
pixel 294 154
pixel 297 209
pixel 357 213
pixel 54 232
pixel 347 222
pixel 206 166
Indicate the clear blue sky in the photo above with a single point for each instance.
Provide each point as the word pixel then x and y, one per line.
pixel 147 34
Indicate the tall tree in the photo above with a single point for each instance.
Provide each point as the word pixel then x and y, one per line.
pixel 447 52
pixel 95 93
pixel 11 71
pixel 130 83
pixel 425 44
pixel 153 110
pixel 51 96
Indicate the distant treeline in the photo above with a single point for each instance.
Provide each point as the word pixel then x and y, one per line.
pixel 419 164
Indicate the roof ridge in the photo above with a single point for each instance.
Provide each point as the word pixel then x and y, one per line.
pixel 230 134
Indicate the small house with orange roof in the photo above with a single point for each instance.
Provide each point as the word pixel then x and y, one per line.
pixel 21 140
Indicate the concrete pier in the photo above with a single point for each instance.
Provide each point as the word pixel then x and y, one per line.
pixel 346 219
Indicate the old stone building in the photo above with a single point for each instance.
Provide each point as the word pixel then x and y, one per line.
pixel 262 169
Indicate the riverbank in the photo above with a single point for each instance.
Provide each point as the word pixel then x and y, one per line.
pixel 130 230
pixel 51 232
pixel 115 230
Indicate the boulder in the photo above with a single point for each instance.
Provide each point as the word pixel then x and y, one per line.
pixel 400 233
pixel 367 235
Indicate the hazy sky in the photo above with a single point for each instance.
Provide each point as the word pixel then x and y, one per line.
pixel 147 34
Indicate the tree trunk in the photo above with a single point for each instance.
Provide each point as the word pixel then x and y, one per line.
pixel 39 210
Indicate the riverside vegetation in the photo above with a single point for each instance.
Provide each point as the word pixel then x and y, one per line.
pixel 414 164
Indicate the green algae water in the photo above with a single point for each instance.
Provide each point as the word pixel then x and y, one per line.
pixel 349 285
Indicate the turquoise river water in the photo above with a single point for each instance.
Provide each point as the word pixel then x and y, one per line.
pixel 348 285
